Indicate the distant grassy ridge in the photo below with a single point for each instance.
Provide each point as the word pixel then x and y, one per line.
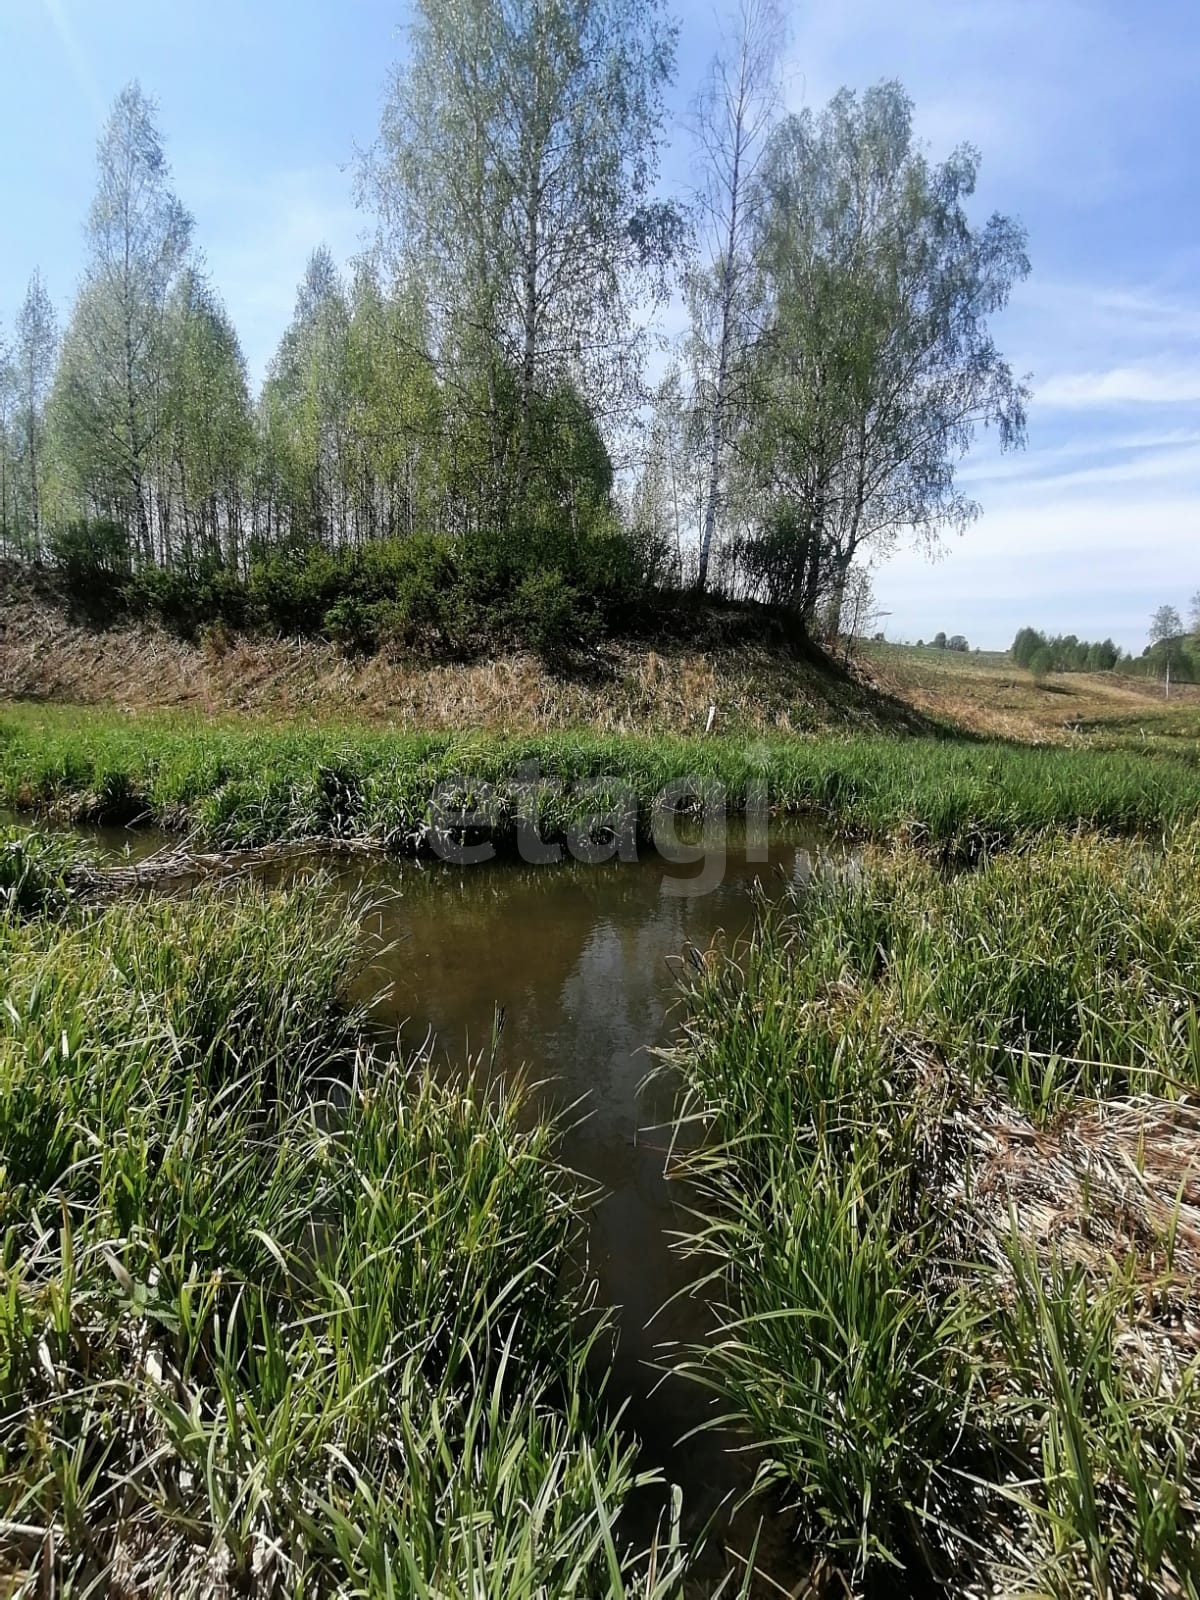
pixel 239 785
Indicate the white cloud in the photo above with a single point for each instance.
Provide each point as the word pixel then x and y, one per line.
pixel 1095 565
pixel 1122 386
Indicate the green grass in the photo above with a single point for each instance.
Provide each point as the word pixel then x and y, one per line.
pixel 932 1382
pixel 241 785
pixel 36 870
pixel 280 1314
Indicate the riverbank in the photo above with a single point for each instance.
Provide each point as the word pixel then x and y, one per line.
pixel 951 1175
pixel 949 1199
pixel 237 783
pixel 625 688
pixel 755 682
pixel 282 1312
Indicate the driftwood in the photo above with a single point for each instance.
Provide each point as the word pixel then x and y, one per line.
pixel 177 864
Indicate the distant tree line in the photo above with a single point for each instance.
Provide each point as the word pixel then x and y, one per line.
pixel 1172 647
pixel 455 440
pixel 1043 653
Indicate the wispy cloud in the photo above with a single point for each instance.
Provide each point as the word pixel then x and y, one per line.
pixel 1122 386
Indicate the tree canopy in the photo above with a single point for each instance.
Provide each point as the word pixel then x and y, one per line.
pixel 478 376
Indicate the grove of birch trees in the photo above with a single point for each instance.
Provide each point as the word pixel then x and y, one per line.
pixel 489 368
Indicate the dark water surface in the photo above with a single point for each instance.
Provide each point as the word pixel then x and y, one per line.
pixel 582 962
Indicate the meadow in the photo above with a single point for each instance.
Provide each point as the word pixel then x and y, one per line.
pixel 983 692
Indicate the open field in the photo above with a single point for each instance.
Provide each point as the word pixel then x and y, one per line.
pixel 986 694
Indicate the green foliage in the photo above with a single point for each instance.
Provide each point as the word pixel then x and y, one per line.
pixel 1062 653
pixel 1042 663
pixel 871 276
pixel 35 871
pixel 918 1393
pixel 546 611
pixel 185 599
pixel 306 1317
pixel 93 560
pixel 1116 1460
pixel 254 785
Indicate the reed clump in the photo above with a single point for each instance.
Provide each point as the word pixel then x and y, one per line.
pixel 949 1207
pixel 280 1313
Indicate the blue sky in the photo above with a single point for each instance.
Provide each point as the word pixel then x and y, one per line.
pixel 1087 113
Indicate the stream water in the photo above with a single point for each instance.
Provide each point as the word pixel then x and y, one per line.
pixel 581 963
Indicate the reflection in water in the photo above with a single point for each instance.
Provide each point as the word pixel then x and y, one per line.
pixel 582 961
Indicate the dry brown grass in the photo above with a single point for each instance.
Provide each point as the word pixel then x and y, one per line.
pixel 986 694
pixel 1113 1182
pixel 633 689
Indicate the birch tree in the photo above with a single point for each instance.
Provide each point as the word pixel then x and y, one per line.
pixel 34 354
pixel 731 121
pixel 8 392
pixel 208 435
pixel 517 157
pixel 111 383
pixel 876 365
pixel 305 409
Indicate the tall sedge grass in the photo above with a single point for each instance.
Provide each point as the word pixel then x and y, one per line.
pixel 280 1315
pixel 35 871
pixel 242 785
pixel 923 1389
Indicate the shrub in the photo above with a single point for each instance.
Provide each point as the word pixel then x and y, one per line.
pixel 186 598
pixel 93 561
pixel 292 589
pixel 548 616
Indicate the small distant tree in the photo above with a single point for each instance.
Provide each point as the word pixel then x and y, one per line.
pixel 1041 663
pixel 1194 613
pixel 957 642
pixel 1166 623
pixel 1026 645
pixel 939 641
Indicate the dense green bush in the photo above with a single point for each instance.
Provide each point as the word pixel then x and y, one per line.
pixel 547 586
pixel 92 558
pixel 186 598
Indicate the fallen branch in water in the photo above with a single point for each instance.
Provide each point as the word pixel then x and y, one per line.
pixel 179 864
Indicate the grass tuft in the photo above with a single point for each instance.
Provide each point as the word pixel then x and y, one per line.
pixel 942 1133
